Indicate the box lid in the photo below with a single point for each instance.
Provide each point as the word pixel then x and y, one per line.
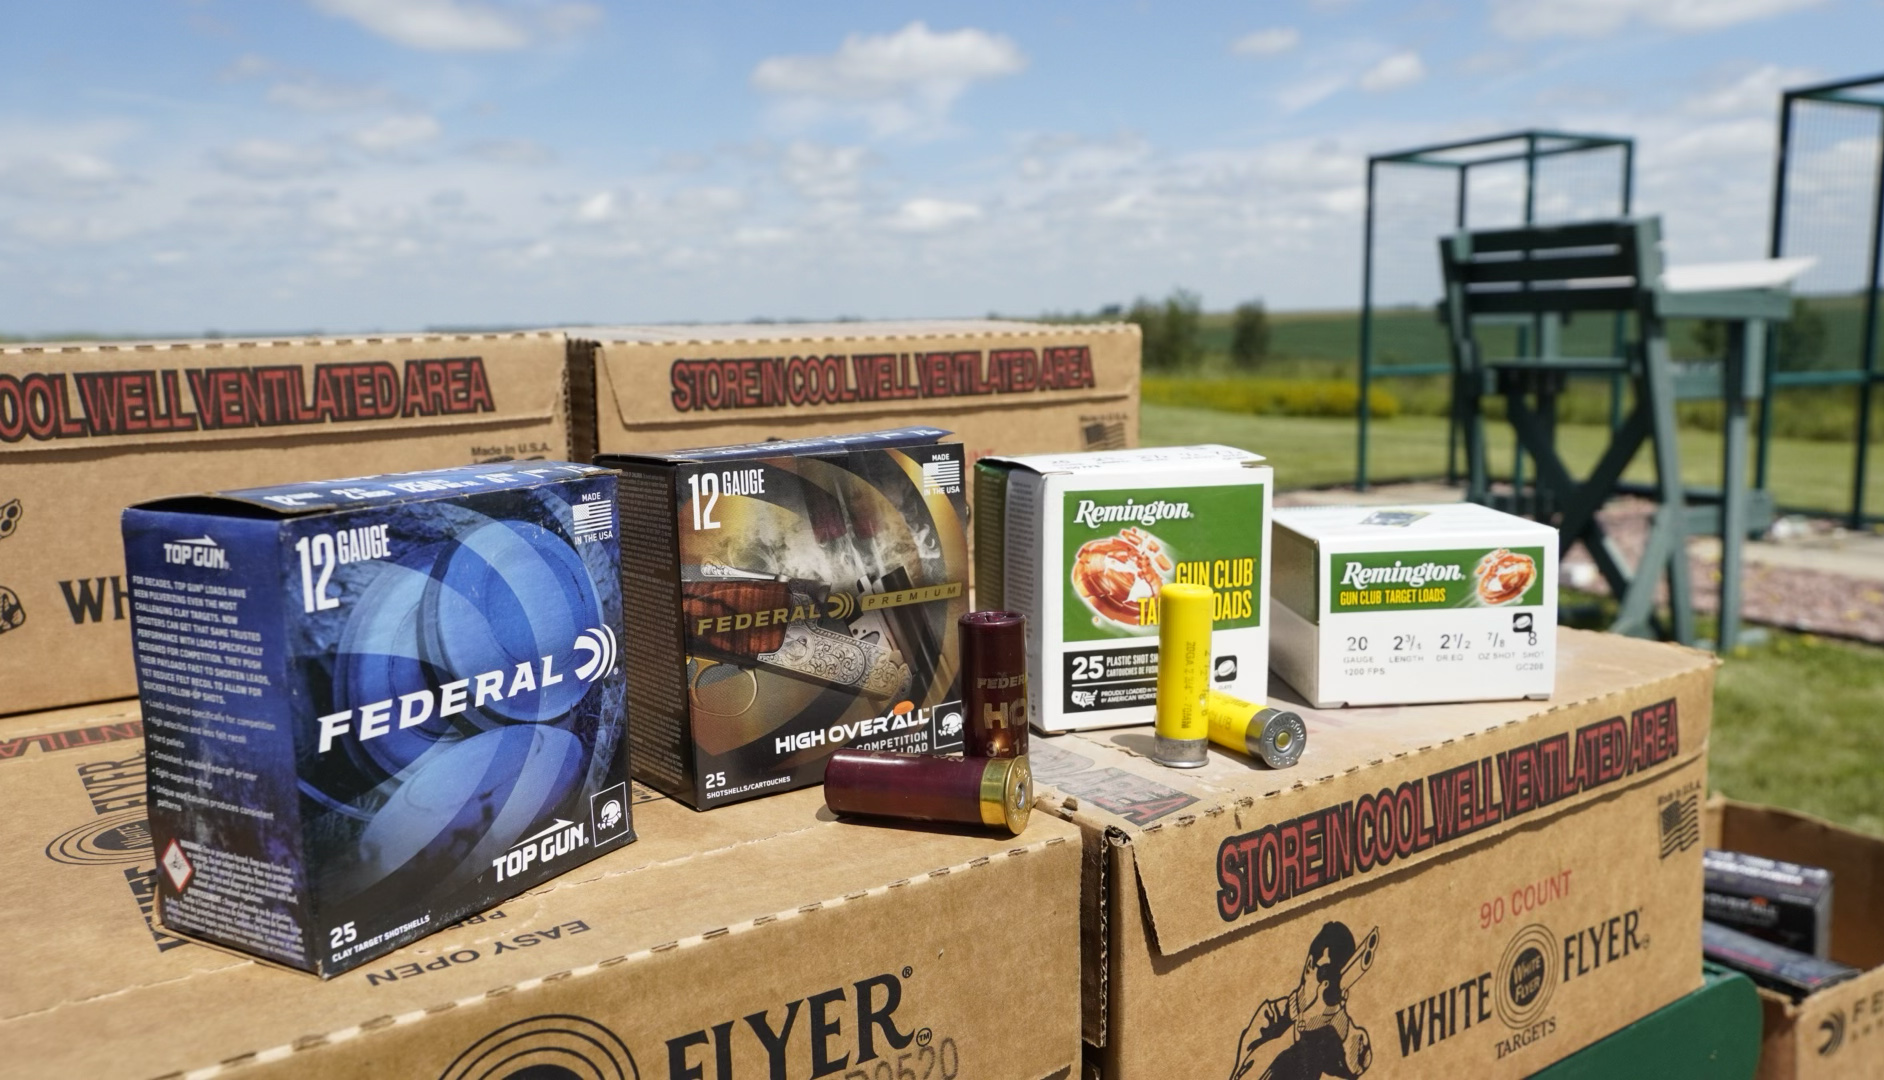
pixel 849 331
pixel 1207 457
pixel 664 379
pixel 1233 843
pixel 162 394
pixel 383 489
pixel 1410 525
pixel 113 995
pixel 889 438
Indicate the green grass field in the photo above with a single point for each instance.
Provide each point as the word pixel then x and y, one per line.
pixel 1318 452
pixel 1796 724
pixel 1796 718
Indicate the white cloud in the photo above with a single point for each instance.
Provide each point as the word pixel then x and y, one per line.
pixel 823 172
pixel 271 159
pixel 1396 72
pixel 1269 42
pixel 1757 91
pixel 463 25
pixel 309 94
pixel 762 236
pixel 397 133
pixel 933 215
pixel 511 151
pixel 60 176
pixel 1298 96
pixel 1597 18
pixel 597 207
pixel 247 66
pixel 895 82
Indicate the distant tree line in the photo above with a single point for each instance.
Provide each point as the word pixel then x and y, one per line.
pixel 1173 331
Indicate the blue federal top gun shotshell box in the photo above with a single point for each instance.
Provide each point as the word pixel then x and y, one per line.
pixel 377 705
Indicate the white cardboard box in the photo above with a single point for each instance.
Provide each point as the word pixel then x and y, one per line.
pixel 1083 547
pixel 1411 605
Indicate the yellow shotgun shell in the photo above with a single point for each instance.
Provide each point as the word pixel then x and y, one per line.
pixel 1184 622
pixel 1277 736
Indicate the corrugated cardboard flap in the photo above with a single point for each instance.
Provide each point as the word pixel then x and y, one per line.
pixel 753 868
pixel 119 395
pixel 1233 843
pixel 658 376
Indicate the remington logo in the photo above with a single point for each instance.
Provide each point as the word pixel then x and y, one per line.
pixel 1362 577
pixel 1092 515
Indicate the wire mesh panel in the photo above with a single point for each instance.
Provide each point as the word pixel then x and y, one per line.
pixel 1818 428
pixel 1415 197
pixel 1585 185
pixel 1830 196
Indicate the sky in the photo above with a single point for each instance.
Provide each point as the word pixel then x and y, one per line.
pixel 192 166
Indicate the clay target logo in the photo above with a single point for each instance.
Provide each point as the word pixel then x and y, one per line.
pixel 599 643
pixel 1832 1032
pixel 1526 977
pixel 119 838
pixel 552 1047
pixel 12 612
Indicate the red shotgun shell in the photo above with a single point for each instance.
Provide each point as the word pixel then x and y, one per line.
pixel 991 792
pixel 994 683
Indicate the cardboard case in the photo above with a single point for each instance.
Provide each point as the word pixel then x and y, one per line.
pixel 849 950
pixel 1466 890
pixel 1012 387
pixel 1839 1031
pixel 86 430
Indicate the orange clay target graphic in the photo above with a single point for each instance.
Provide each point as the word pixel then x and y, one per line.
pixel 1111 574
pixel 1503 576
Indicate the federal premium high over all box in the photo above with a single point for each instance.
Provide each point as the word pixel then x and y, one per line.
pixel 786 599
pixel 88 429
pixel 1081 545
pixel 1380 605
pixel 1437 891
pixel 761 940
pixel 380 704
pixel 1000 386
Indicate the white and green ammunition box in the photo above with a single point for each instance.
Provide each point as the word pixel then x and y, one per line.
pixel 1081 544
pixel 1415 604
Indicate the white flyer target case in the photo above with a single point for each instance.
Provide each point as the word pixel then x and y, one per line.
pixel 1082 543
pixel 1414 605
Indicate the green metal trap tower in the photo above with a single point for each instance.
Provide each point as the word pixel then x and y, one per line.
pixel 1414 196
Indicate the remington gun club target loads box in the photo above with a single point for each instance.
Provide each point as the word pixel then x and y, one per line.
pixel 1408 605
pixel 1081 544
pixel 377 705
pixel 89 429
pixel 788 599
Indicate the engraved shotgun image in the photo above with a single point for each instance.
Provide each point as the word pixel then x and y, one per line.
pixel 1307 1033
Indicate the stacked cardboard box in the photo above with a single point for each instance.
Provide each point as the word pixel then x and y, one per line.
pixel 1445 891
pixel 1838 1032
pixel 761 939
pixel 86 430
pixel 1000 386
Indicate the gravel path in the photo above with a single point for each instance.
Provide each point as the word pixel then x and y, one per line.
pixel 1796 598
